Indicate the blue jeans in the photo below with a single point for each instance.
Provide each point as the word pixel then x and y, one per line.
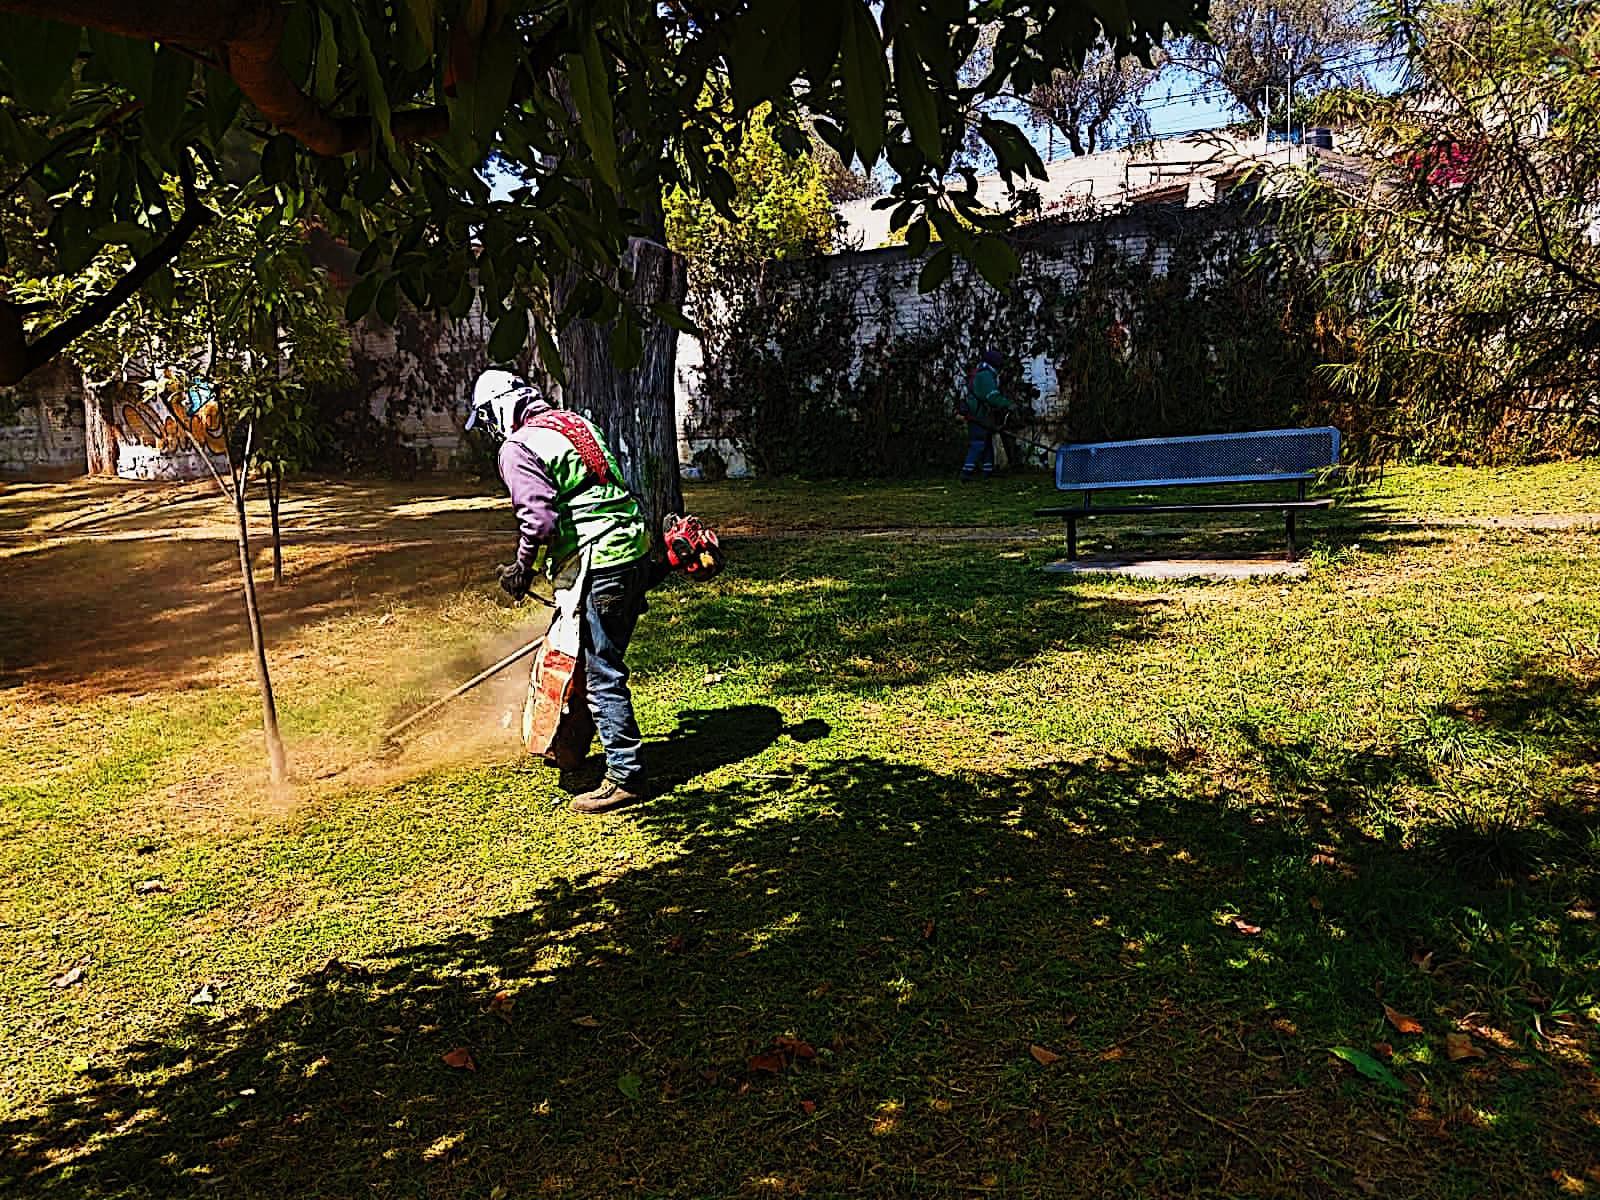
pixel 980 450
pixel 616 597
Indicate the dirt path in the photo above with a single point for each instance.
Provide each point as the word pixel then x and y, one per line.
pixel 383 533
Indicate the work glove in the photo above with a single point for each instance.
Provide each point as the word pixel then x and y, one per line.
pixel 515 580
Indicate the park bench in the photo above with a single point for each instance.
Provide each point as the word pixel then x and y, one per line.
pixel 1267 457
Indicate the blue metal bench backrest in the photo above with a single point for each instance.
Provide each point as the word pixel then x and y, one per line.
pixel 1268 456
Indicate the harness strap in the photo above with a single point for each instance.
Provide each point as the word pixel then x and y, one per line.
pixel 576 430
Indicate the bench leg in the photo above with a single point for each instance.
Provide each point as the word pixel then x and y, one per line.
pixel 1072 539
pixel 1288 522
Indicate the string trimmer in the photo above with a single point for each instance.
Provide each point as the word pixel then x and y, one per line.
pixel 691 547
pixel 482 676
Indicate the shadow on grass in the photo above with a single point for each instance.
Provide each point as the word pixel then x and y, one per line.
pixel 862 614
pixel 866 615
pixel 171 610
pixel 704 739
pixel 1181 949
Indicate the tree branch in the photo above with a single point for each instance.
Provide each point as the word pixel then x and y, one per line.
pixel 18 357
pixel 213 23
pixel 246 36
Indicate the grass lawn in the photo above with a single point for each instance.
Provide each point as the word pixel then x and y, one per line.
pixel 969 880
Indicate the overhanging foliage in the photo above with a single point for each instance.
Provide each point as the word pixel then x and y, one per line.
pixel 374 119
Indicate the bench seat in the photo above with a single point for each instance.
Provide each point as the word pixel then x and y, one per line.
pixel 1266 457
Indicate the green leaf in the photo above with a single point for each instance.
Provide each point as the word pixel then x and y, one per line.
pixel 416 33
pixel 169 96
pixel 510 335
pixel 357 42
pixel 1369 1066
pixel 627 342
pixel 222 103
pixel 549 354
pixel 387 305
pixel 299 45
pixel 72 234
pixel 38 55
pixel 671 314
pixel 591 93
pixel 359 302
pixel 131 63
pixel 835 138
pixel 122 233
pixel 484 101
pixel 631 1086
pixel 951 231
pixel 936 270
pixel 326 80
pixel 162 288
pixel 1013 152
pixel 864 81
pixel 21 142
pixel 824 26
pixel 995 259
pixel 917 235
pixel 277 159
pixel 916 101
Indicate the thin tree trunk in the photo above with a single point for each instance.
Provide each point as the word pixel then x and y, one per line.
pixel 269 707
pixel 636 409
pixel 274 481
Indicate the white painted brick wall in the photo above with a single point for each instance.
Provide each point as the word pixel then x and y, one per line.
pixel 47 430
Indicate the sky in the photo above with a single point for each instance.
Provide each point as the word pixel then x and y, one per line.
pixel 1180 102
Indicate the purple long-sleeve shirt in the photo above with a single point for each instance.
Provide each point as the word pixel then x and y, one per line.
pixel 533 497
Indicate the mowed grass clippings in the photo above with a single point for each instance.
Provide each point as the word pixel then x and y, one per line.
pixel 968 881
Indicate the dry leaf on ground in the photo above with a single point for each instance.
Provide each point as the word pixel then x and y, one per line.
pixel 586 1022
pixel 1245 927
pixel 794 1047
pixel 1402 1022
pixel 1458 1046
pixel 1042 1056
pixel 501 1006
pixel 808 1107
pixel 204 994
pixel 67 978
pixel 771 1064
pixel 460 1058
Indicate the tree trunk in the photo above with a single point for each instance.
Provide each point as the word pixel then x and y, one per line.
pixel 99 428
pixel 269 708
pixel 637 409
pixel 274 481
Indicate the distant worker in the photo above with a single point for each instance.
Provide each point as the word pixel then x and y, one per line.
pixel 579 524
pixel 985 409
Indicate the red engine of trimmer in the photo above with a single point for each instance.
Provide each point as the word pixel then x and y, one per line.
pixel 692 547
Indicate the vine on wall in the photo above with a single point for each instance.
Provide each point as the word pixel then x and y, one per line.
pixel 1175 324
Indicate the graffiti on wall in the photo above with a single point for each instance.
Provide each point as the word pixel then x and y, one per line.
pixel 167 415
pixel 154 426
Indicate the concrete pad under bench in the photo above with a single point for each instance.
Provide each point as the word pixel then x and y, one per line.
pixel 1167 570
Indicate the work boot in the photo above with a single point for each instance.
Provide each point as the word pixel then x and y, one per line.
pixel 609 796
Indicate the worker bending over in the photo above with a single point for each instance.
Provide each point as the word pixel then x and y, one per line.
pixel 578 523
